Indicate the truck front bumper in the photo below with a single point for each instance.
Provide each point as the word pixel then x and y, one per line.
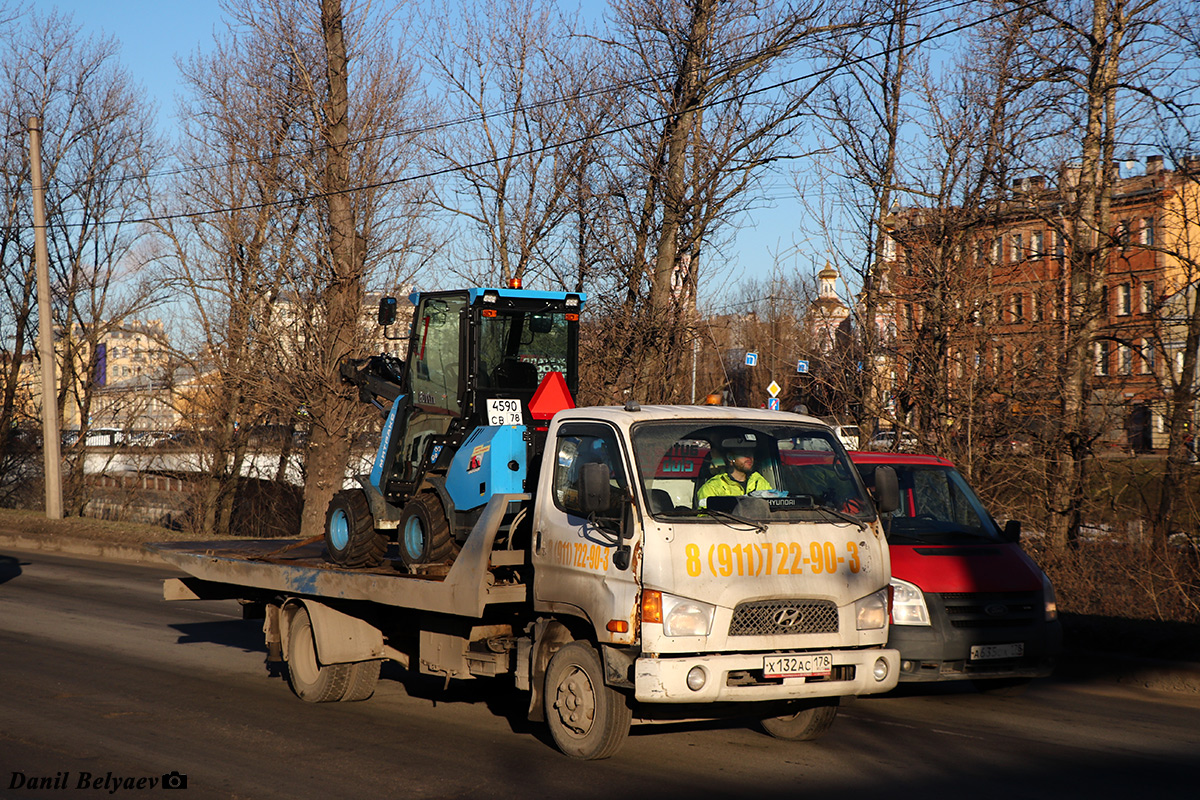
pixel 739 678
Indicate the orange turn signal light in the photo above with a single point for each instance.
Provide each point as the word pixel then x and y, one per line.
pixel 618 626
pixel 651 606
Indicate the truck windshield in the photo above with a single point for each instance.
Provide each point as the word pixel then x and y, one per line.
pixel 937 506
pixel 764 471
pixel 518 348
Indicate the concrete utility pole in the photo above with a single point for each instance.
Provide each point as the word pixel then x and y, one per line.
pixel 50 434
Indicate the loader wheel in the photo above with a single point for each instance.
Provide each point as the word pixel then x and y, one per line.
pixel 588 719
pixel 350 536
pixel 311 681
pixel 424 532
pixel 803 725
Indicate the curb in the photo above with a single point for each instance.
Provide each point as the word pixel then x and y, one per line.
pixel 80 547
pixel 1177 677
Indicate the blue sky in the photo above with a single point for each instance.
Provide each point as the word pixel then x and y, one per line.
pixel 153 33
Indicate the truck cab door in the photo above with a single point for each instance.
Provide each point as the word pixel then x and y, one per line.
pixel 576 568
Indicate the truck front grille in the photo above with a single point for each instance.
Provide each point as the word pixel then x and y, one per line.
pixel 992 610
pixel 776 617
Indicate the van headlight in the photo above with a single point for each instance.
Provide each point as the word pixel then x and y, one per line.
pixel 908 604
pixel 870 613
pixel 685 617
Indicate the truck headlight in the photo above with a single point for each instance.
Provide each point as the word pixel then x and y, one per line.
pixel 1049 599
pixel 684 617
pixel 870 613
pixel 908 604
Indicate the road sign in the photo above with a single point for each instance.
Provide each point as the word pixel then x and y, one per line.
pixel 751 359
pixel 774 389
pixel 802 367
pixel 773 403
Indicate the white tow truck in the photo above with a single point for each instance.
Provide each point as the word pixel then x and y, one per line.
pixel 628 580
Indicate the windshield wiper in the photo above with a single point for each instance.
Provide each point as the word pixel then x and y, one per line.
pixel 724 516
pixel 842 515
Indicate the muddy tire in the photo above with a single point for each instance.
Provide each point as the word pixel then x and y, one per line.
pixel 350 536
pixel 804 725
pixel 587 718
pixel 424 532
pixel 311 681
pixel 364 676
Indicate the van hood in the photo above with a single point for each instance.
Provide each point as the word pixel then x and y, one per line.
pixel 984 567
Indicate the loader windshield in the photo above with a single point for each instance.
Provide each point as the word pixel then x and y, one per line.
pixel 518 348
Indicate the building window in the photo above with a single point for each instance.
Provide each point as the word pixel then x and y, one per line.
pixel 1060 245
pixel 1148 357
pixel 1148 231
pixel 1037 244
pixel 1018 246
pixel 1124 300
pixel 997 249
pixel 908 317
pixel 1017 307
pixel 1125 359
pixel 1147 297
pixel 1039 306
pixel 1101 356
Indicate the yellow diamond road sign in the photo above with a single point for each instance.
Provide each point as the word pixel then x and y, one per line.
pixel 774 388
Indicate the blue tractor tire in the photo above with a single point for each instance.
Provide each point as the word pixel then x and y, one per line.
pixel 350 537
pixel 424 534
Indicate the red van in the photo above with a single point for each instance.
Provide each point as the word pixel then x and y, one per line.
pixel 968 602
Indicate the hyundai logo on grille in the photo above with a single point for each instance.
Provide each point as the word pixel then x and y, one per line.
pixel 787 617
pixel 995 609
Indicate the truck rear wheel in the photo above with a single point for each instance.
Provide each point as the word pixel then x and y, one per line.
pixel 311 681
pixel 350 536
pixel 804 725
pixel 588 719
pixel 424 532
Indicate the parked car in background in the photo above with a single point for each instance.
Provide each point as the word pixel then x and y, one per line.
pixel 848 435
pixel 886 441
pixel 105 437
pixel 968 602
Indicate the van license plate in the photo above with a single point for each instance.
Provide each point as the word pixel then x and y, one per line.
pixel 983 652
pixel 805 665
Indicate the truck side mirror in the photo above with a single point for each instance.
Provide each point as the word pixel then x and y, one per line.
pixel 887 490
pixel 595 492
pixel 387 311
pixel 1012 531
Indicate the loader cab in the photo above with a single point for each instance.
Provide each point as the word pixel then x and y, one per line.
pixel 476 357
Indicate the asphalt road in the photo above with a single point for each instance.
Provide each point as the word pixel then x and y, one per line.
pixel 105 684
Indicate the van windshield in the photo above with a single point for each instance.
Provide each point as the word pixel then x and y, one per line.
pixel 937 506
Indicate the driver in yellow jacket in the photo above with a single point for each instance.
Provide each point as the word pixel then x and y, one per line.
pixel 739 478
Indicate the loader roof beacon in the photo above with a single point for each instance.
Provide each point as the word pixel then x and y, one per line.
pixel 504 534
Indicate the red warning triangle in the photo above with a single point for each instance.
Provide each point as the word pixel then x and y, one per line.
pixel 552 396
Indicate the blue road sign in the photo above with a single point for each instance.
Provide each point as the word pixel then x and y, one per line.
pixel 802 366
pixel 773 403
pixel 751 359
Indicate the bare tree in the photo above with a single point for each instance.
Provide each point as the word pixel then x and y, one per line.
pixel 700 125
pixel 275 244
pixel 98 137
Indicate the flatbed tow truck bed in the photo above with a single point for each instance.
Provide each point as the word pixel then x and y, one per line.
pixel 301 569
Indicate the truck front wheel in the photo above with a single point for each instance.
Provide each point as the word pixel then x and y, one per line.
pixel 804 725
pixel 588 719
pixel 424 532
pixel 350 536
